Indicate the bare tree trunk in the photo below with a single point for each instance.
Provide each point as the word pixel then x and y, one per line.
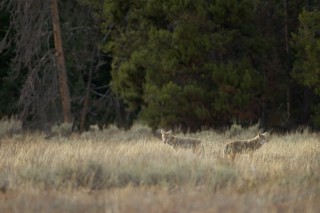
pixel 286 35
pixel 60 61
pixel 86 103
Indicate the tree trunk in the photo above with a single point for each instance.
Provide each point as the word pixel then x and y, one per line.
pixel 60 62
pixel 307 103
pixel 286 35
pixel 85 103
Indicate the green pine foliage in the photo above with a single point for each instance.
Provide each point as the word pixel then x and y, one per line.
pixel 306 43
pixel 184 63
pixel 306 68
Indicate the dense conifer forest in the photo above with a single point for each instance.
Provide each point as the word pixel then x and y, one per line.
pixel 183 64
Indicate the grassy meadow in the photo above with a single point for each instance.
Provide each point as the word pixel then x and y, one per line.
pixel 117 171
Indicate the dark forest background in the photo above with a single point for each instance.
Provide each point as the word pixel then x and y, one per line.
pixel 181 64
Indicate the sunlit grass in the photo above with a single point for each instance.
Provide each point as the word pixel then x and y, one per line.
pixel 118 171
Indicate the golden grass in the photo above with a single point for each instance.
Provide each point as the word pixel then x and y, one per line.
pixel 117 171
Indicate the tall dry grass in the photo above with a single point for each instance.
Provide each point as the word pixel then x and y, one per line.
pixel 117 171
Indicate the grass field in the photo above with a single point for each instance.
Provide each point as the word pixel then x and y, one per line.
pixel 116 171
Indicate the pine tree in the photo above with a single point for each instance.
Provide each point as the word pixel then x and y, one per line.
pixel 306 69
pixel 186 64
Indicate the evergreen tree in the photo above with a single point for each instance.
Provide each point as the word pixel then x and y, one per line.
pixel 177 64
pixel 187 64
pixel 306 70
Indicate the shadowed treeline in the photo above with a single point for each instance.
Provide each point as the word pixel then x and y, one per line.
pixel 184 65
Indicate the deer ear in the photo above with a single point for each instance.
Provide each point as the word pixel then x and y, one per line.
pixel 169 132
pixel 264 134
